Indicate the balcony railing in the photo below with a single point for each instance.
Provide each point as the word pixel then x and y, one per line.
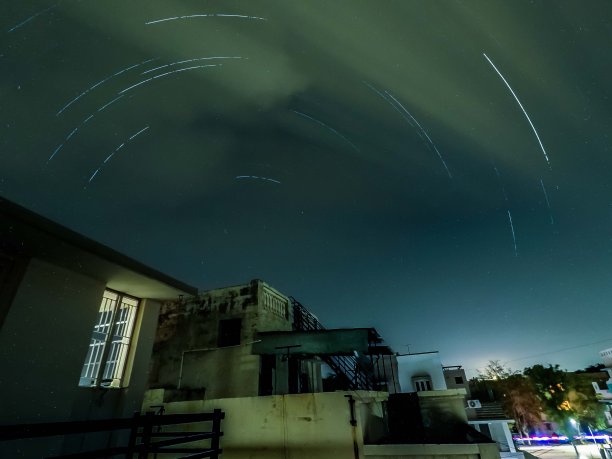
pixel 146 435
pixel 348 368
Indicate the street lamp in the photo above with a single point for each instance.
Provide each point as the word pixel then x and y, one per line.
pixel 575 424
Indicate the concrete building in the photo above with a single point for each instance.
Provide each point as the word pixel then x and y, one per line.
pixel 205 346
pixel 491 420
pixel 487 418
pixel 77 324
pixel 605 394
pixel 257 354
pixel 339 425
pixel 455 378
pixel 421 371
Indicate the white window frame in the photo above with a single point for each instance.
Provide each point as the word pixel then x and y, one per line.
pixel 109 348
pixel 422 383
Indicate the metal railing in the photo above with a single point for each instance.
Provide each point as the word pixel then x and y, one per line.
pixel 143 440
pixel 348 368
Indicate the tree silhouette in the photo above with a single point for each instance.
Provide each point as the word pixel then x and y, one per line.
pixel 516 393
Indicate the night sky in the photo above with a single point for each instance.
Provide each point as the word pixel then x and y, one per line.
pixel 440 170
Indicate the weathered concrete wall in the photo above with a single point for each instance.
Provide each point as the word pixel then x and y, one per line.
pixel 372 415
pixel 442 411
pixel 224 372
pixel 186 354
pixel 448 402
pixel 300 426
pixel 43 343
pixel 305 426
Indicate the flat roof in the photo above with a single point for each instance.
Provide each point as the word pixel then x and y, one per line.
pixel 24 232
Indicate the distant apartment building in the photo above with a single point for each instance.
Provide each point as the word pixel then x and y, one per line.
pixel 423 372
pixel 455 378
pixel 605 394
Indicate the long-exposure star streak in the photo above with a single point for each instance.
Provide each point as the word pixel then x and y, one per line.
pixel 431 143
pixel 218 15
pixel 85 121
pixel 326 126
pixel 255 177
pixel 513 235
pixel 522 108
pixel 140 83
pixel 91 88
pixel 397 105
pixel 552 221
pixel 21 24
pixel 190 60
pixel 119 147
pixel 463 141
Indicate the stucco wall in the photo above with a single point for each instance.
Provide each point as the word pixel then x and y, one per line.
pixel 186 343
pixel 417 365
pixel 305 426
pixel 43 343
pixel 236 372
pixel 299 426
pixel 443 404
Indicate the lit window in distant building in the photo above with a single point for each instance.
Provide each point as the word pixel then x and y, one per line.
pixel 110 341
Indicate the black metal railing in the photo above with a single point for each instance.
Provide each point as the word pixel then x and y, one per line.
pixel 145 435
pixel 347 367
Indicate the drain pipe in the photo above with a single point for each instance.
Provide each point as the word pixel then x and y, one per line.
pixel 353 422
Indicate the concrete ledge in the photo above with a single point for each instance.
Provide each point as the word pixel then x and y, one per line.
pixel 419 450
pixel 443 393
pixel 469 451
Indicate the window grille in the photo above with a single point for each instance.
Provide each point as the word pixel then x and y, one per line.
pixel 110 341
pixel 422 383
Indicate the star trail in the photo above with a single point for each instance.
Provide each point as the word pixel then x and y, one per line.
pixel 437 170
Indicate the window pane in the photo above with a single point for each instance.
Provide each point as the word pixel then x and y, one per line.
pixel 113 330
pixel 91 367
pixel 120 342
